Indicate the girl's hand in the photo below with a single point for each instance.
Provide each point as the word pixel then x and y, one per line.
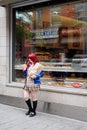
pixel 32 76
pixel 24 66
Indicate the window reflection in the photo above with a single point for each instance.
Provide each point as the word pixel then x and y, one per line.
pixel 56 34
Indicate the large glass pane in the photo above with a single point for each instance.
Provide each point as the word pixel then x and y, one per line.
pixel 58 36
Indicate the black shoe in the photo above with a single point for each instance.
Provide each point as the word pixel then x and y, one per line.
pixel 32 114
pixel 27 113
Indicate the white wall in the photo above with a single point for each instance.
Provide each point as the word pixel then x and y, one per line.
pixel 3 49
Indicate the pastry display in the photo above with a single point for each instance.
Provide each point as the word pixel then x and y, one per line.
pixel 77 85
pixel 58 74
pixel 42 55
pixel 64 84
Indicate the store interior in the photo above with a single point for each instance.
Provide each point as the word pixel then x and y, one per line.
pixel 58 36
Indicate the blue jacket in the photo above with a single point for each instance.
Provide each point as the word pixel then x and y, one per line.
pixel 38 76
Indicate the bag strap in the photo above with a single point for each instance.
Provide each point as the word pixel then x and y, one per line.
pixel 25 82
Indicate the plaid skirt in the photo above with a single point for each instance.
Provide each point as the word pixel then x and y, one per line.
pixel 29 85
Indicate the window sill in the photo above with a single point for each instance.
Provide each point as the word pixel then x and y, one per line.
pixel 74 91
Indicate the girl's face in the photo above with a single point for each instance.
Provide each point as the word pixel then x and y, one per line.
pixel 30 61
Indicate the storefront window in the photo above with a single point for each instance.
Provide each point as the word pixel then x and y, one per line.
pixel 58 36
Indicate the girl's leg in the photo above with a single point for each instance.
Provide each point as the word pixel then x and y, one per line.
pixel 34 95
pixel 26 94
pixel 28 101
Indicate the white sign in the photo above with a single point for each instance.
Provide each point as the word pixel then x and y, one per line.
pixel 46 33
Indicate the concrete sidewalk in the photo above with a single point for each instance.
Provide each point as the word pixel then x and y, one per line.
pixel 12 118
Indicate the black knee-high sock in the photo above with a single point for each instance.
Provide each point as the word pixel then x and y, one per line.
pixel 28 102
pixel 34 106
pixel 33 113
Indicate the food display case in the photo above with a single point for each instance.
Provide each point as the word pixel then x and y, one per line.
pixel 64 75
pixel 59 74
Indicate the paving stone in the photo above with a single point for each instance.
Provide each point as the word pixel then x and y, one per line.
pixel 13 118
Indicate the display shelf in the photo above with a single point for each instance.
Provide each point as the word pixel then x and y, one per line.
pixel 18 67
pixel 59 74
pixel 60 83
pixel 57 68
pixel 76 79
pixel 22 80
pixel 65 84
pixel 63 70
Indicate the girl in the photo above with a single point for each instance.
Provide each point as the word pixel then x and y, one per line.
pixel 33 72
